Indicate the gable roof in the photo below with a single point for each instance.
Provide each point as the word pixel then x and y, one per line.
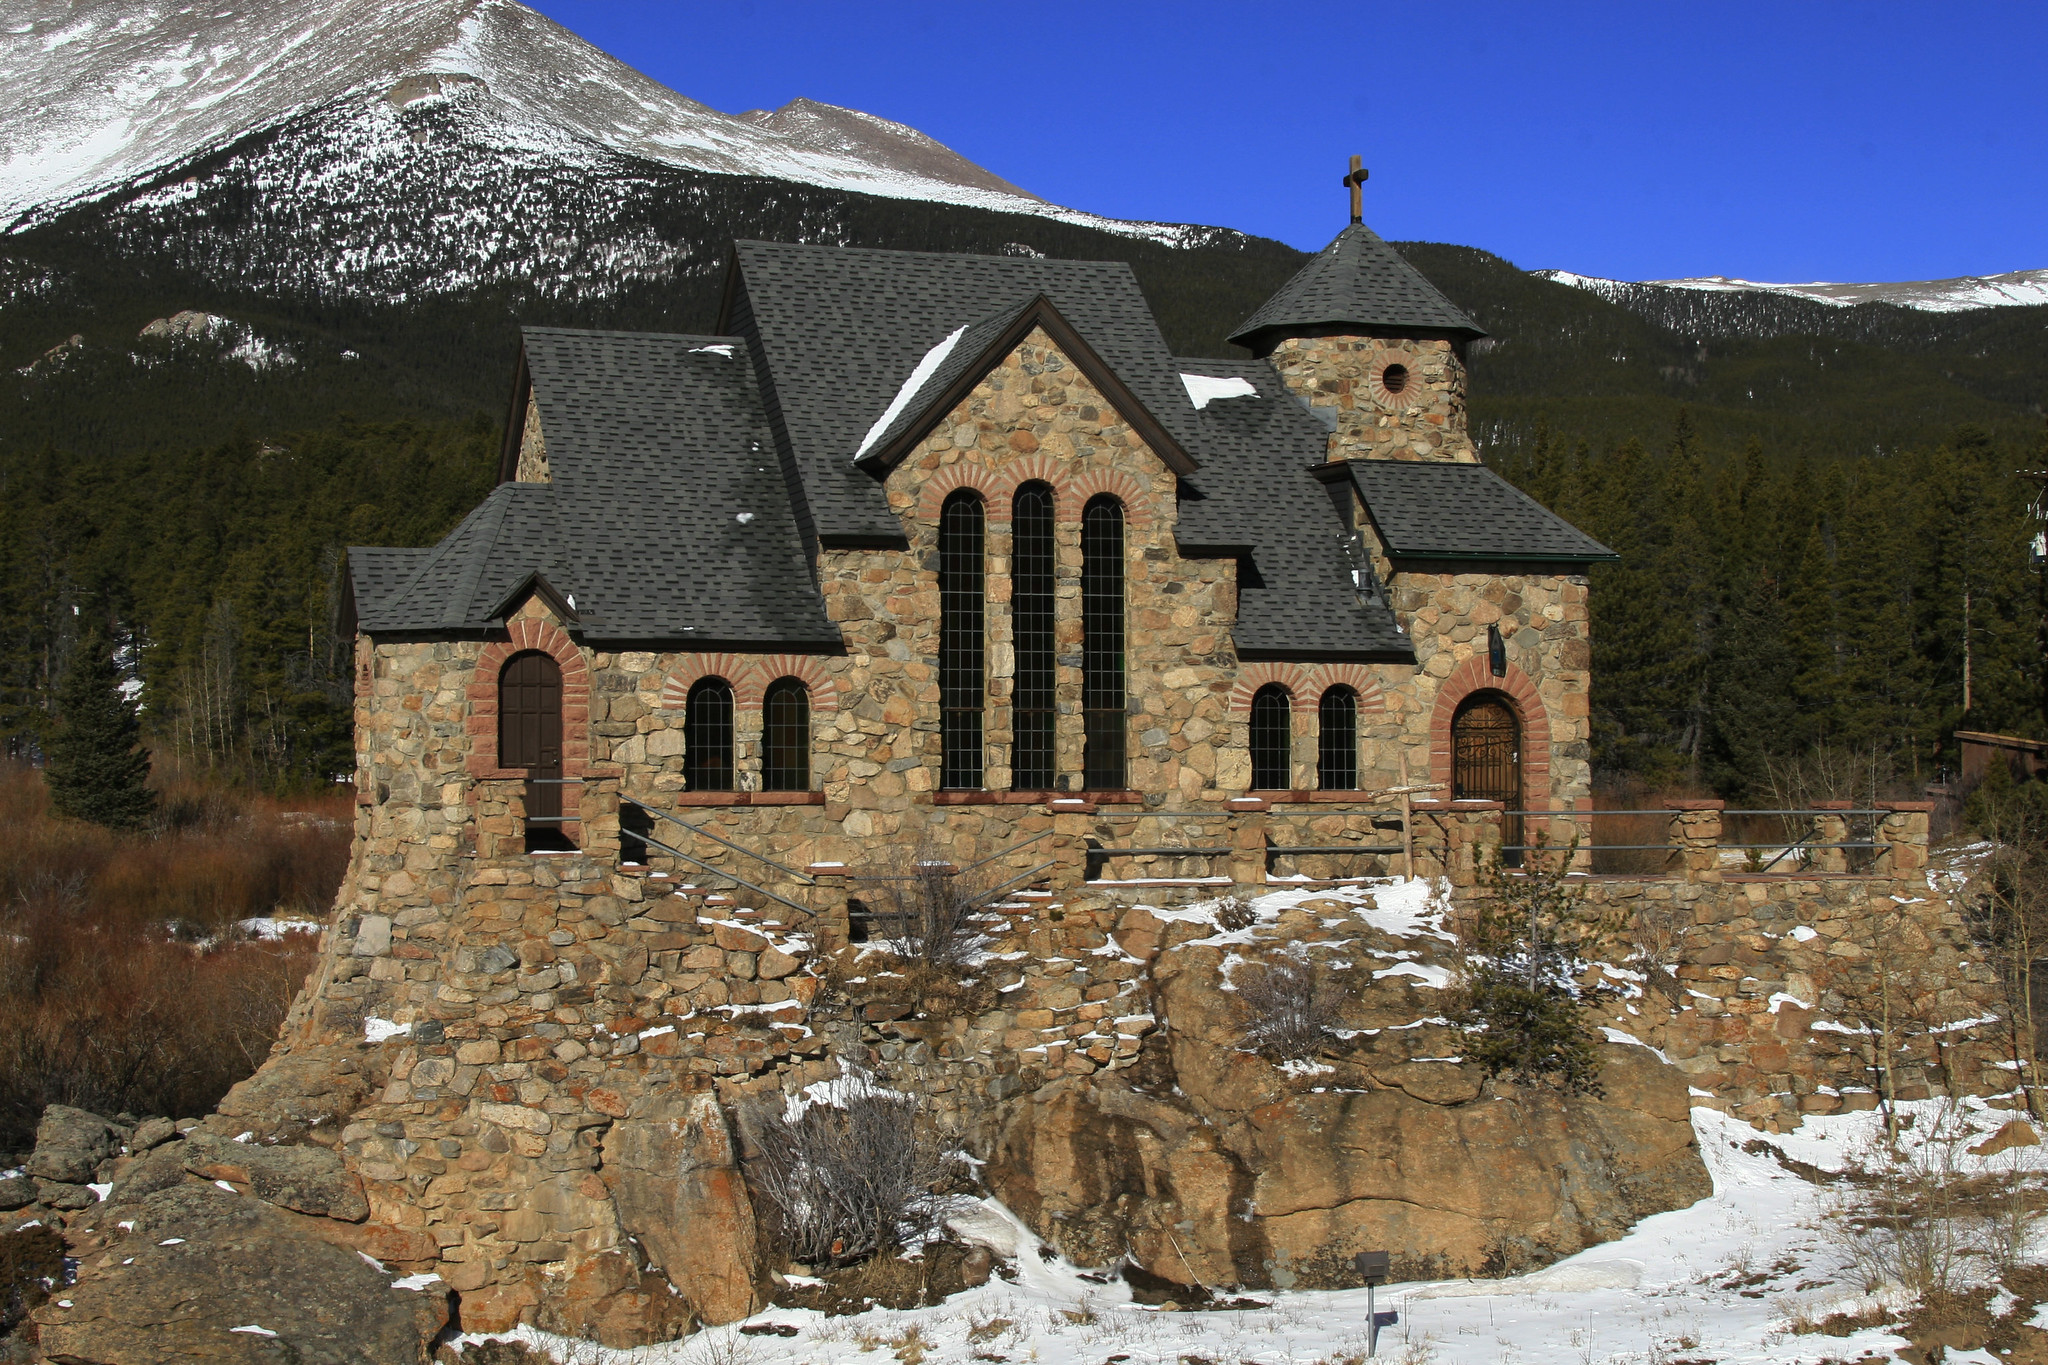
pixel 1426 510
pixel 835 332
pixel 693 477
pixel 666 518
pixel 1254 499
pixel 972 351
pixel 1356 283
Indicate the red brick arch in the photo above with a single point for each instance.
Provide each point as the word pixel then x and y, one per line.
pixel 1354 676
pixel 1298 679
pixel 1474 675
pixel 523 634
pixel 1073 494
pixel 932 495
pixel 749 676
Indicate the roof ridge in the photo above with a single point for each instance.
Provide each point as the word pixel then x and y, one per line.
pixel 525 330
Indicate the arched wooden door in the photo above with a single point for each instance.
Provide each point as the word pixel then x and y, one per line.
pixel 530 737
pixel 1486 760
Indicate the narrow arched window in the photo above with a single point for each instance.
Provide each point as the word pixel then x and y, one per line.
pixel 1272 738
pixel 1031 566
pixel 786 737
pixel 530 737
pixel 707 736
pixel 1102 644
pixel 1337 740
pixel 962 650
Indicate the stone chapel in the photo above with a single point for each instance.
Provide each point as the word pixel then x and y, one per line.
pixel 919 541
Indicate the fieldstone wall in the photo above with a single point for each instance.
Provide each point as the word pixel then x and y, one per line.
pixel 1345 378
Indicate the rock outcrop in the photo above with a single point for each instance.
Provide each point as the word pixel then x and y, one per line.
pixel 196 1273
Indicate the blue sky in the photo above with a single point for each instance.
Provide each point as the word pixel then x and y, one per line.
pixel 1802 140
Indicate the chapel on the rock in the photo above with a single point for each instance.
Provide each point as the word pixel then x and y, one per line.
pixel 920 539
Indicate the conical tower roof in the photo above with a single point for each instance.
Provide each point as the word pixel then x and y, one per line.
pixel 1356 283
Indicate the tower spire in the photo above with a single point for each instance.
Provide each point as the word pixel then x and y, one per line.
pixel 1356 182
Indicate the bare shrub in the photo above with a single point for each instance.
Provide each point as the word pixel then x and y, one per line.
pixel 124 983
pixel 1920 1217
pixel 1657 945
pixel 846 1181
pixel 924 907
pixel 1234 913
pixel 1289 1003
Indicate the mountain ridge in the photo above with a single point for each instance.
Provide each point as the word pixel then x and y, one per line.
pixel 114 95
pixel 2013 289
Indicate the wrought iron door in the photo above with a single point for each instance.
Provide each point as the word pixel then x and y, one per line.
pixel 1486 760
pixel 530 732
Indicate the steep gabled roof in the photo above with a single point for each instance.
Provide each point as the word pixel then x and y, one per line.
pixel 1425 510
pixel 666 518
pixel 964 358
pixel 835 332
pixel 1355 284
pixel 1254 499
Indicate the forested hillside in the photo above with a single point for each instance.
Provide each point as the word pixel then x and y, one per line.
pixel 1811 500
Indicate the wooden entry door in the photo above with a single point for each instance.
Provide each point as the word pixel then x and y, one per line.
pixel 1486 761
pixel 530 737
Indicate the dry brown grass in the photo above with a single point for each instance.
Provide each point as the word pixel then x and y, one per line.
pixel 125 985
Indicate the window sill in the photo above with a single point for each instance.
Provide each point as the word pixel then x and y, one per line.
pixel 1298 796
pixel 1033 798
pixel 746 798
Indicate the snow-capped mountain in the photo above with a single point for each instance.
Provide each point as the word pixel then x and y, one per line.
pixel 2018 288
pixel 108 93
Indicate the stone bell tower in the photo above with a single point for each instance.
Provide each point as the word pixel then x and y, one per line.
pixel 1371 346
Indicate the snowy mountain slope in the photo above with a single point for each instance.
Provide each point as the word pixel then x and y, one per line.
pixel 2016 289
pixel 111 93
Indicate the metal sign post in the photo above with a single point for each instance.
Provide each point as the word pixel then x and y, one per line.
pixel 1372 1268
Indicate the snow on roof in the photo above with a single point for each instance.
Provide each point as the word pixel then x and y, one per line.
pixel 926 368
pixel 1204 389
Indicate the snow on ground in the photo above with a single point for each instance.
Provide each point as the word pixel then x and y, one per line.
pixel 1722 1281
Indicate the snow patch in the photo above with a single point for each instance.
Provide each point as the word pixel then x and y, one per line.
pixel 919 377
pixel 1204 389
pixel 376 1030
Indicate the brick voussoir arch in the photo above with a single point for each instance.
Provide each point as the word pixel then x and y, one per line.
pixel 1073 495
pixel 808 669
pixel 1354 676
pixel 738 670
pixel 1474 675
pixel 932 495
pixel 1298 679
pixel 523 634
pixel 750 675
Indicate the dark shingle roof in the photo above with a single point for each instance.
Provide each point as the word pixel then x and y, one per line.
pixel 1424 510
pixel 377 574
pixel 1357 281
pixel 1253 495
pixel 837 331
pixel 658 447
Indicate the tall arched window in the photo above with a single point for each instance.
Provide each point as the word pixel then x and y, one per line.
pixel 707 736
pixel 1102 644
pixel 530 737
pixel 786 737
pixel 1337 741
pixel 1031 567
pixel 1272 738
pixel 962 651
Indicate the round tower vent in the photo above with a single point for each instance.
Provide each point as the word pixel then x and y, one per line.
pixel 1392 380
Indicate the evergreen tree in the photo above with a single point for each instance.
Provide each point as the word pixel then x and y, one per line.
pixel 98 769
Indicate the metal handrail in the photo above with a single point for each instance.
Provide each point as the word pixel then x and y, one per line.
pixel 1112 851
pixel 1005 851
pixel 1281 850
pixel 653 842
pixel 801 878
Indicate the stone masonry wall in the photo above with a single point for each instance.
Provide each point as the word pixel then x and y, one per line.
pixel 1345 378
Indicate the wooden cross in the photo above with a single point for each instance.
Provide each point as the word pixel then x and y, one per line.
pixel 1356 181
